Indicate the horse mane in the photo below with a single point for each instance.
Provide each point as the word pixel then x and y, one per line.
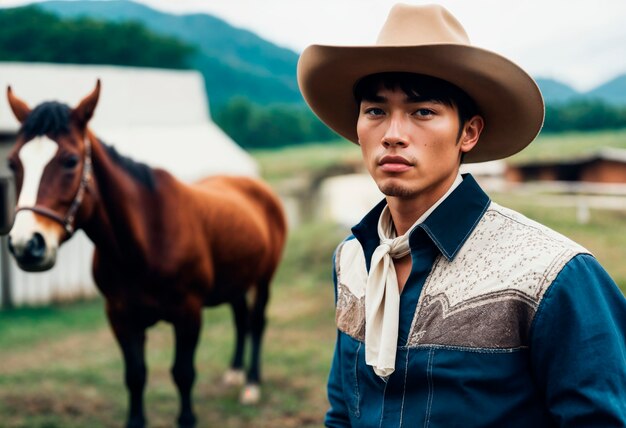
pixel 53 118
pixel 50 117
pixel 140 171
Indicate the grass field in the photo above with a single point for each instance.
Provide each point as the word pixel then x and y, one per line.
pixel 570 144
pixel 60 367
pixel 294 160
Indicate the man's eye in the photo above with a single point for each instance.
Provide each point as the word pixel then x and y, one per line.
pixel 374 111
pixel 423 112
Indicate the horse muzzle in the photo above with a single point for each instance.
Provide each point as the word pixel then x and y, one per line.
pixel 33 251
pixel 33 255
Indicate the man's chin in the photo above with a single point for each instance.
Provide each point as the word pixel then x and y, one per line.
pixel 397 191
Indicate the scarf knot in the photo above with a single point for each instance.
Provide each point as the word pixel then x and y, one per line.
pixel 382 294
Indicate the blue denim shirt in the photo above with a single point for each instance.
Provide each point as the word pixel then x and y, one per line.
pixel 565 366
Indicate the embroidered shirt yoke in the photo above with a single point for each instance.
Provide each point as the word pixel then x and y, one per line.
pixel 493 305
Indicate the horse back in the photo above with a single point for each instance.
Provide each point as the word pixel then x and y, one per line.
pixel 245 226
pixel 245 196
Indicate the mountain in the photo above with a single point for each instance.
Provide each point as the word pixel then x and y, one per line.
pixel 237 62
pixel 613 91
pixel 233 61
pixel 556 92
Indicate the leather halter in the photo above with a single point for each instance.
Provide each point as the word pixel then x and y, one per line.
pixel 67 221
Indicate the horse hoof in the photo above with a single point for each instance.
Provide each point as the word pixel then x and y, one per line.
pixel 136 423
pixel 188 421
pixel 234 377
pixel 250 394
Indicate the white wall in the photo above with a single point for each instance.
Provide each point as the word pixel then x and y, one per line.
pixel 70 278
pixel 160 117
pixel 345 199
pixel 155 116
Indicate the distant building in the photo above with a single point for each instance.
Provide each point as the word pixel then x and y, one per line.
pixel 155 116
pixel 605 166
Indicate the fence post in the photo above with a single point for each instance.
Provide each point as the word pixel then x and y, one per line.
pixel 7 207
pixel 5 275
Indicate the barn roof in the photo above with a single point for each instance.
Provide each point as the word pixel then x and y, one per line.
pixel 157 116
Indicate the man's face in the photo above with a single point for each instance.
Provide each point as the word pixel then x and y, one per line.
pixel 412 147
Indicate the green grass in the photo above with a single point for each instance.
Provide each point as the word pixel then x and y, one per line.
pixel 306 159
pixel 19 329
pixel 605 235
pixel 309 159
pixel 570 145
pixel 61 366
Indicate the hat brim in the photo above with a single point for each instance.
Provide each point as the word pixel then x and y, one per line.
pixel 507 97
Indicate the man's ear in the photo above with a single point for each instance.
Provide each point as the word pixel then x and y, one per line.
pixel 471 133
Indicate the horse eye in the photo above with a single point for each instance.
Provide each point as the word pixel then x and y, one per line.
pixel 11 164
pixel 70 162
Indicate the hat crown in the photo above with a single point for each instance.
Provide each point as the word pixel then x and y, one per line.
pixel 426 40
pixel 421 25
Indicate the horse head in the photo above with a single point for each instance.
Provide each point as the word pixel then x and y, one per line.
pixel 51 163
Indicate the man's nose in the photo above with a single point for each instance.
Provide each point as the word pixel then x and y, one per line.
pixel 395 134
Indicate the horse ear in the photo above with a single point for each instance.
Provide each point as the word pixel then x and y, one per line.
pixel 83 113
pixel 19 107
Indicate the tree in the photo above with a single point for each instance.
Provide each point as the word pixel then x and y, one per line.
pixel 253 126
pixel 584 115
pixel 32 35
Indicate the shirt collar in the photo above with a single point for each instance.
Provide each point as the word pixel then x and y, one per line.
pixel 448 226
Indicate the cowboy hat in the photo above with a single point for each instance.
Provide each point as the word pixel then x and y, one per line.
pixel 427 40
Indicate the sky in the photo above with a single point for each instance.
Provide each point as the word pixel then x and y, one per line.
pixel 579 42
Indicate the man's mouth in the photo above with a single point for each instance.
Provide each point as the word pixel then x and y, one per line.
pixel 392 163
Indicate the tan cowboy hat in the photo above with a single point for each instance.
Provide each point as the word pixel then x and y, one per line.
pixel 427 40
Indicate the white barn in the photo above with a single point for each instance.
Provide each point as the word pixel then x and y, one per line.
pixel 156 116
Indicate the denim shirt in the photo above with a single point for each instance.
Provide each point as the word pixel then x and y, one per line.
pixel 503 323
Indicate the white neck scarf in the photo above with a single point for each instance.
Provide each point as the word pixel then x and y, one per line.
pixel 382 294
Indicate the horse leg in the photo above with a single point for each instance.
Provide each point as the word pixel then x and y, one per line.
pixel 251 394
pixel 131 339
pixel 235 376
pixel 187 332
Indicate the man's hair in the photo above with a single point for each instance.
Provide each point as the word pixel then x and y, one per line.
pixel 420 87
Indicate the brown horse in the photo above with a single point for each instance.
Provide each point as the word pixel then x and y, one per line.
pixel 164 249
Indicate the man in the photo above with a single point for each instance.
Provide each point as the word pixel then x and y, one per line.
pixel 453 311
